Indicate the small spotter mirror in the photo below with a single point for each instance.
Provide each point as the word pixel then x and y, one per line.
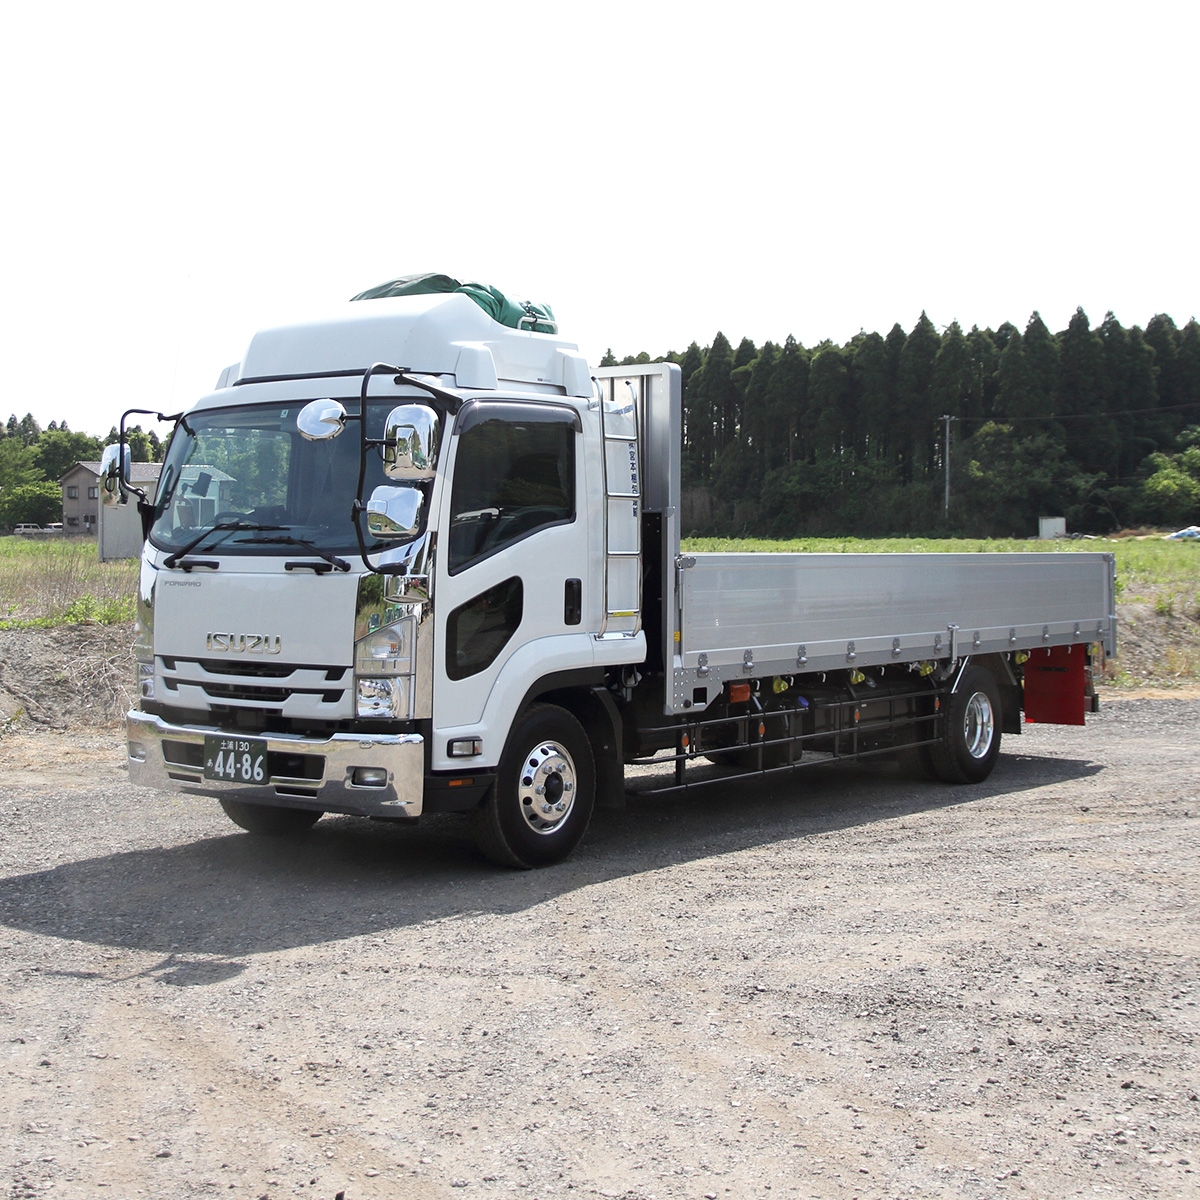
pixel 113 472
pixel 394 512
pixel 412 435
pixel 320 420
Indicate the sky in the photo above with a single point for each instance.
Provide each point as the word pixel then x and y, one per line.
pixel 177 176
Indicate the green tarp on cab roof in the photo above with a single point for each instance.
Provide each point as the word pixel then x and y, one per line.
pixel 514 314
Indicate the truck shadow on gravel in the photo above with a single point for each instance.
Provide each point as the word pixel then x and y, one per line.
pixel 206 903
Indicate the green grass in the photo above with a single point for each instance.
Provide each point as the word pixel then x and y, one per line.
pixel 62 582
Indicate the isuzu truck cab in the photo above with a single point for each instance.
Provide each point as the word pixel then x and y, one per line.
pixel 408 560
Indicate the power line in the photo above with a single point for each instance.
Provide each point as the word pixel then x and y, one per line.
pixel 1128 412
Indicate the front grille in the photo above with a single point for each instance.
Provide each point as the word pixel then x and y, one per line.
pixel 266 695
pixel 261 670
pixel 233 691
pixel 258 721
pixel 283 689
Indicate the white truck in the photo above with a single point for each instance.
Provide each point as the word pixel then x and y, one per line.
pixel 408 560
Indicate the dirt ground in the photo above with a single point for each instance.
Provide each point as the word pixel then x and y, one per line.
pixel 75 676
pixel 850 984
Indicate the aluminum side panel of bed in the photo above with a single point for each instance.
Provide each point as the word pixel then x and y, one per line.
pixel 751 615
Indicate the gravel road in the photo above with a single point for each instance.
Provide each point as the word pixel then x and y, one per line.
pixel 851 984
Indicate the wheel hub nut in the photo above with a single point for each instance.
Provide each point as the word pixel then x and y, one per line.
pixel 547 787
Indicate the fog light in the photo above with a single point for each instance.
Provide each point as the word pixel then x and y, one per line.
pixel 465 747
pixel 369 777
pixel 137 752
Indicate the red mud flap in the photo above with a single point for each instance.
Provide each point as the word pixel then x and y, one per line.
pixel 1056 691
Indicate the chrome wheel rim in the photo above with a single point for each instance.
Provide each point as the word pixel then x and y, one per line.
pixel 547 787
pixel 979 725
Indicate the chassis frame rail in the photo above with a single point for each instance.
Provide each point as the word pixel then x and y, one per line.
pixel 840 740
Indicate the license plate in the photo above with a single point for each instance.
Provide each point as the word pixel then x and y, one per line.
pixel 235 760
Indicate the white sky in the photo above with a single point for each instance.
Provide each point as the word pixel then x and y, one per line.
pixel 178 175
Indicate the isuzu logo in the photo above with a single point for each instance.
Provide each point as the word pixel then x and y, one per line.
pixel 243 643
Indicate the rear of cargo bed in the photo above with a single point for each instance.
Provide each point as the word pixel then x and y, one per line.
pixel 745 616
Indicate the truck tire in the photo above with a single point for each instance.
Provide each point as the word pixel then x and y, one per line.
pixel 268 820
pixel 971 744
pixel 539 807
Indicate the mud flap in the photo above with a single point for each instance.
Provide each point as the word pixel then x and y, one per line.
pixel 1056 680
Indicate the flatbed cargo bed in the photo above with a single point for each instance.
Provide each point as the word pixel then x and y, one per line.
pixel 759 614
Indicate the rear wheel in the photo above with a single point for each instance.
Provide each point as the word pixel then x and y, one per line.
pixel 268 820
pixel 539 807
pixel 971 744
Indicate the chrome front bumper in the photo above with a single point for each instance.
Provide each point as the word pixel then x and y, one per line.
pixel 171 757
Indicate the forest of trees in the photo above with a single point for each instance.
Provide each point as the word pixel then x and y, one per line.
pixel 1099 425
pixel 33 460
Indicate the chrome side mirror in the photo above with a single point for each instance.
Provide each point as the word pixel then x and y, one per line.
pixel 320 420
pixel 394 512
pixel 114 472
pixel 412 433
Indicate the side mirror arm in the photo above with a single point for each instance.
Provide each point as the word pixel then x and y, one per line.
pixel 119 472
pixel 126 483
pixel 452 404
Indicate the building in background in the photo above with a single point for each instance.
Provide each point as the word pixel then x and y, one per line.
pixel 204 491
pixel 81 494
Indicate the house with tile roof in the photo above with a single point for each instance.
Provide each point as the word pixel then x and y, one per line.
pixel 81 493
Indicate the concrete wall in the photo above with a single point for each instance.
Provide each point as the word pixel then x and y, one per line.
pixel 120 531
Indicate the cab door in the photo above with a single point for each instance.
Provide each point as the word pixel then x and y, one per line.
pixel 512 566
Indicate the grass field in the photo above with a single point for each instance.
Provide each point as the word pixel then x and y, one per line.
pixel 62 582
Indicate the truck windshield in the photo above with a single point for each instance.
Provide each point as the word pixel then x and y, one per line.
pixel 249 470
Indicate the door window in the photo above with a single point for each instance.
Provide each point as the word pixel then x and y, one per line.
pixel 513 475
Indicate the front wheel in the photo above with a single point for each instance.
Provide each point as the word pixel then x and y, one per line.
pixel 539 807
pixel 268 820
pixel 971 744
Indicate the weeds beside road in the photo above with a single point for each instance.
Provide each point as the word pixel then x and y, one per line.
pixel 62 582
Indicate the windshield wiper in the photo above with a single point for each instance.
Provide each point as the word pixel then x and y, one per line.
pixel 287 539
pixel 225 527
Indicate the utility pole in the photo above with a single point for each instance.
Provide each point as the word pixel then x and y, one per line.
pixel 946 458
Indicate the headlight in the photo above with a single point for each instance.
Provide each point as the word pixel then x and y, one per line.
pixel 384 651
pixel 387 643
pixel 382 696
pixel 145 671
pixel 385 640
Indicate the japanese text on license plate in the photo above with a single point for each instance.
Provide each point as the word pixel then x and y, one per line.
pixel 235 760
